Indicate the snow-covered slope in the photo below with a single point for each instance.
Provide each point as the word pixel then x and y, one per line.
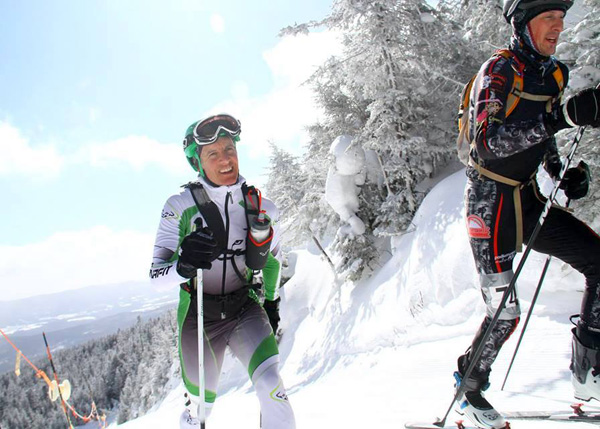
pixel 382 352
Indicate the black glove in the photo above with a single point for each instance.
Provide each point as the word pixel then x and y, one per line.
pixel 198 250
pixel 552 164
pixel 576 181
pixel 581 109
pixel 272 310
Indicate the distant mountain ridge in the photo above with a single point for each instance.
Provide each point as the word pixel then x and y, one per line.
pixel 76 316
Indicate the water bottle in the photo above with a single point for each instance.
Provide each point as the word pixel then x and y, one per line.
pixel 258 243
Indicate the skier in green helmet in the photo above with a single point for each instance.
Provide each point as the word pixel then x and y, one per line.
pixel 207 227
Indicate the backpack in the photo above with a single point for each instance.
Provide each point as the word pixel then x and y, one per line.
pixel 464 139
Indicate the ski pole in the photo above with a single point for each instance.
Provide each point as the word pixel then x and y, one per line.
pixel 530 312
pixel 200 322
pixel 511 286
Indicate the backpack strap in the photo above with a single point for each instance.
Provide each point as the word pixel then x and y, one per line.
pixel 559 78
pixel 560 82
pixel 517 92
pixel 210 212
pixel 463 110
pixel 464 136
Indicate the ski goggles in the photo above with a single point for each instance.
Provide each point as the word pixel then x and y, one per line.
pixel 210 129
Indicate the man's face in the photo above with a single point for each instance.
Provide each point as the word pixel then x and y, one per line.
pixel 220 162
pixel 545 29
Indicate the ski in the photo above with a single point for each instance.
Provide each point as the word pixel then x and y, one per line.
pixel 565 416
pixel 457 425
pixel 575 415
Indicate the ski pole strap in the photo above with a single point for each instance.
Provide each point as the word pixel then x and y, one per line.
pixel 554 205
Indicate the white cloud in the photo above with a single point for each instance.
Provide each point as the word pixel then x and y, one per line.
pixel 217 23
pixel 282 114
pixel 94 114
pixel 76 259
pixel 136 151
pixel 295 58
pixel 239 90
pixel 18 156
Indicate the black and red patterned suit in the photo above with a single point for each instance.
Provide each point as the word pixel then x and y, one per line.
pixel 501 216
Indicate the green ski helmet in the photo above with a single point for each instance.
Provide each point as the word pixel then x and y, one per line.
pixel 520 12
pixel 207 131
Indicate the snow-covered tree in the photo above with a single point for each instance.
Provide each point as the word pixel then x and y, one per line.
pixel 127 371
pixel 580 49
pixel 299 200
pixel 395 91
pixel 481 23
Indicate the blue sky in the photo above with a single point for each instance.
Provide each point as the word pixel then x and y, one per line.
pixel 94 99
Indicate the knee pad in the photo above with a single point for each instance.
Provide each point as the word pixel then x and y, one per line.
pixel 269 382
pixel 493 287
pixel 275 407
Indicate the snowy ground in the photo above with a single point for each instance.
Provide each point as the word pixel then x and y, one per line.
pixel 381 353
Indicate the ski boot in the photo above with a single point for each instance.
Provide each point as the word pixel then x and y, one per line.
pixel 189 417
pixel 473 404
pixel 585 365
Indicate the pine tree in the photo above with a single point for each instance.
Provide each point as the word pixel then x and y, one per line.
pixel 580 49
pixel 286 186
pixel 127 371
pixel 481 23
pixel 395 90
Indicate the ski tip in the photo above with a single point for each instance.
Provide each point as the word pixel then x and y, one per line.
pixel 428 425
pixel 459 424
pixel 422 425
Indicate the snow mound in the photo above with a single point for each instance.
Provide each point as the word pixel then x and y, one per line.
pixel 381 352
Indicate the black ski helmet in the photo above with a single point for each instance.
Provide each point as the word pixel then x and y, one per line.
pixel 522 11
